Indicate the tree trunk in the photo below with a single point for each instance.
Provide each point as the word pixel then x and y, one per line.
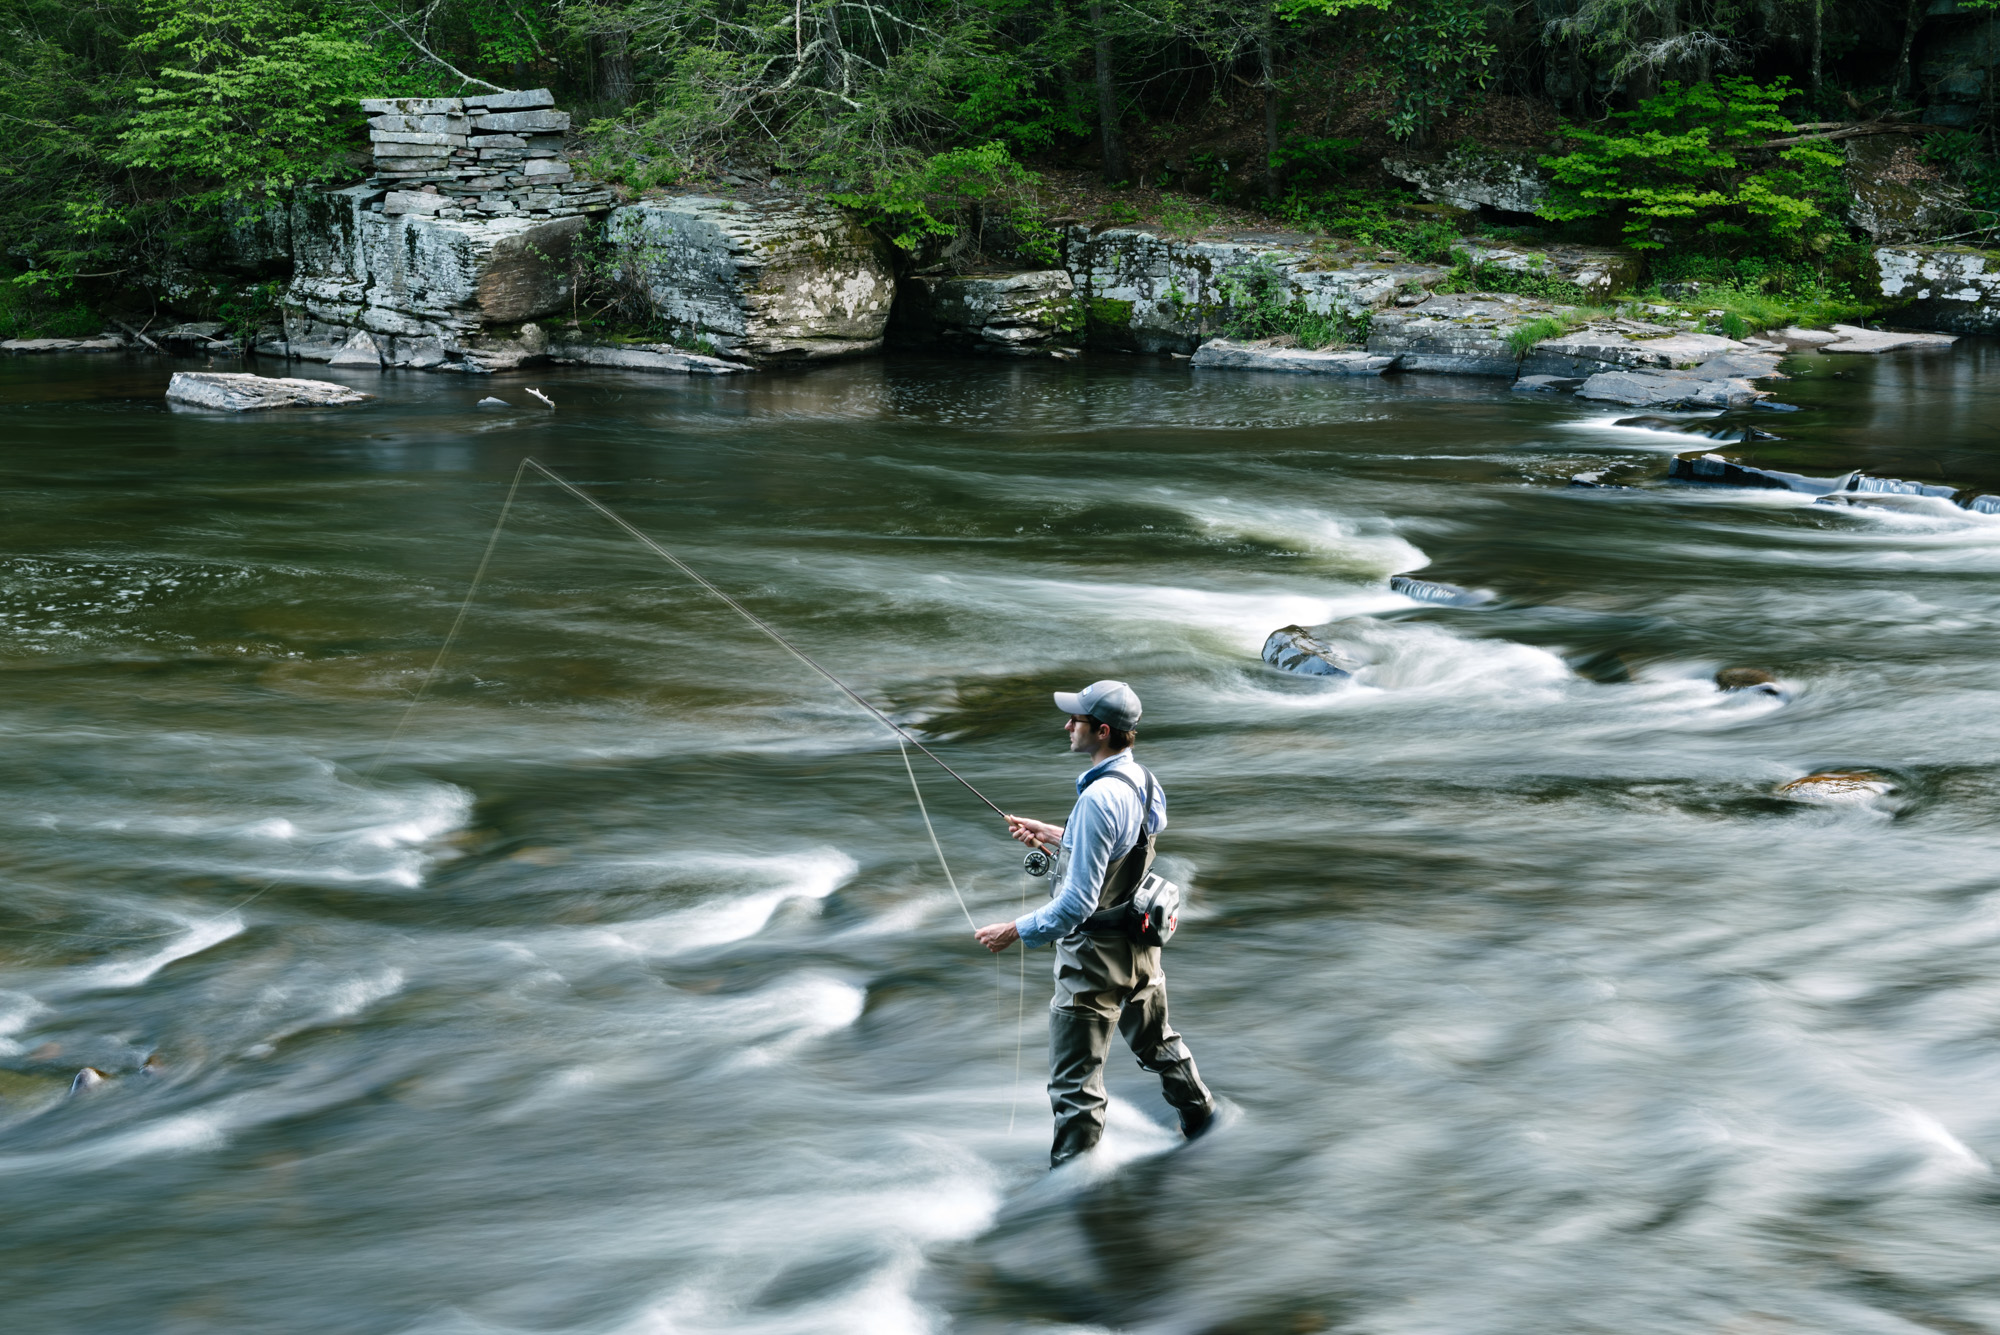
pixel 1818 49
pixel 1268 63
pixel 1116 168
pixel 1912 20
pixel 614 68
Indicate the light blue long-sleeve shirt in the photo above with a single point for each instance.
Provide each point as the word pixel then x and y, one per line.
pixel 1103 824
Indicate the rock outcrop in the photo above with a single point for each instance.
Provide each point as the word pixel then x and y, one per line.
pixel 1956 288
pixel 446 257
pixel 1025 312
pixel 1143 292
pixel 429 292
pixel 771 283
pixel 640 357
pixel 1458 334
pixel 1894 196
pixel 236 392
pixel 1266 355
pixel 28 347
pixel 1471 176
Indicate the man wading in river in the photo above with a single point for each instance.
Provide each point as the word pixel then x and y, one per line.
pixel 1103 976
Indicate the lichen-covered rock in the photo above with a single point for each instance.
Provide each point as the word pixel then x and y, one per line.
pixel 1143 292
pixel 236 392
pixel 1511 180
pixel 454 294
pixel 1601 272
pixel 28 347
pixel 1030 311
pixel 1222 353
pixel 1955 288
pixel 1894 196
pixel 1457 334
pixel 1635 345
pixel 769 283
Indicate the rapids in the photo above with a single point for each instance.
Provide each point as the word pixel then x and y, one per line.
pixel 623 994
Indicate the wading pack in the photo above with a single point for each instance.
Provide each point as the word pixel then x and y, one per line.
pixel 1135 902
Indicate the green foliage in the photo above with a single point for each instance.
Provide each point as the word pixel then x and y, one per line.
pixel 248 95
pixel 1751 294
pixel 956 196
pixel 1305 161
pixel 1376 219
pixel 1258 302
pixel 1520 340
pixel 1470 274
pixel 1688 168
pixel 1184 217
pixel 1966 161
pixel 23 314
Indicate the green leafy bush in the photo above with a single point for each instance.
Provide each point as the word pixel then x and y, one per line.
pixel 1258 302
pixel 1372 219
pixel 1753 293
pixel 1688 168
pixel 1471 275
pixel 956 196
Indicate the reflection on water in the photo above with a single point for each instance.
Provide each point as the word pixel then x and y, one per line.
pixel 626 996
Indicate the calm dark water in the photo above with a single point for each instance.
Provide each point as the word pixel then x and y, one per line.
pixel 623 994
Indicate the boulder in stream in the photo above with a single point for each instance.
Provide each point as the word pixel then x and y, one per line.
pixel 1840 787
pixel 1856 339
pixel 1443 595
pixel 1668 389
pixel 1748 681
pixel 240 392
pixel 1297 649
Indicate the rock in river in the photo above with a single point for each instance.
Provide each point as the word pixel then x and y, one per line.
pixel 1444 595
pixel 1297 649
pixel 239 392
pixel 1839 787
pixel 1748 681
pixel 1265 356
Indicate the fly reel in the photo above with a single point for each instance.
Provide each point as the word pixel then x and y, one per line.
pixel 1038 862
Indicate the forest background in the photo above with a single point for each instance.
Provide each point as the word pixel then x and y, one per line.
pixel 1709 132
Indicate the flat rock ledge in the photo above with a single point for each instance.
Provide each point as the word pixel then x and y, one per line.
pixel 1222 353
pixel 240 392
pixel 642 357
pixel 28 347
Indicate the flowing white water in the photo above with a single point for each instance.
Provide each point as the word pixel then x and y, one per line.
pixel 626 997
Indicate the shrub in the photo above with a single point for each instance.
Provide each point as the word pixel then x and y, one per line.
pixel 955 196
pixel 1689 168
pixel 1258 302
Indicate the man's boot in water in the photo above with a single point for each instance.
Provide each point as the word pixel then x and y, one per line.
pixel 1078 1042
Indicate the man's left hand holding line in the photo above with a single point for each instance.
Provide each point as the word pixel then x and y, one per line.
pixel 1035 834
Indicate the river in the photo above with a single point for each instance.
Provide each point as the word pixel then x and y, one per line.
pixel 620 990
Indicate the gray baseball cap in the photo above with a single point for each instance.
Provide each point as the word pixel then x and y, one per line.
pixel 1110 702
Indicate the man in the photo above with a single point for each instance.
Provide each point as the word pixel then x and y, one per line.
pixel 1103 977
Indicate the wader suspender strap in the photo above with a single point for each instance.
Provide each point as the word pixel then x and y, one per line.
pixel 1124 872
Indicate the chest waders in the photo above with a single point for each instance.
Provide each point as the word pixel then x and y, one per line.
pixel 1104 978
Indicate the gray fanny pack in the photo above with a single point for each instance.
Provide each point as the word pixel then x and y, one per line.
pixel 1135 902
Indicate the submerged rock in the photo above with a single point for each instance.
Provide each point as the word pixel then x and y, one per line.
pixel 1297 649
pixel 1548 384
pixel 1715 470
pixel 1735 432
pixel 87 1079
pixel 1749 681
pixel 237 392
pixel 1222 353
pixel 1444 595
pixel 1839 787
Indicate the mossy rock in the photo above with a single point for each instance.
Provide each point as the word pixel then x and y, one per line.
pixel 1112 314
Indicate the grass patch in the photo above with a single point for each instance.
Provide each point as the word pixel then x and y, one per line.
pixel 1468 276
pixel 1736 298
pixel 1555 325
